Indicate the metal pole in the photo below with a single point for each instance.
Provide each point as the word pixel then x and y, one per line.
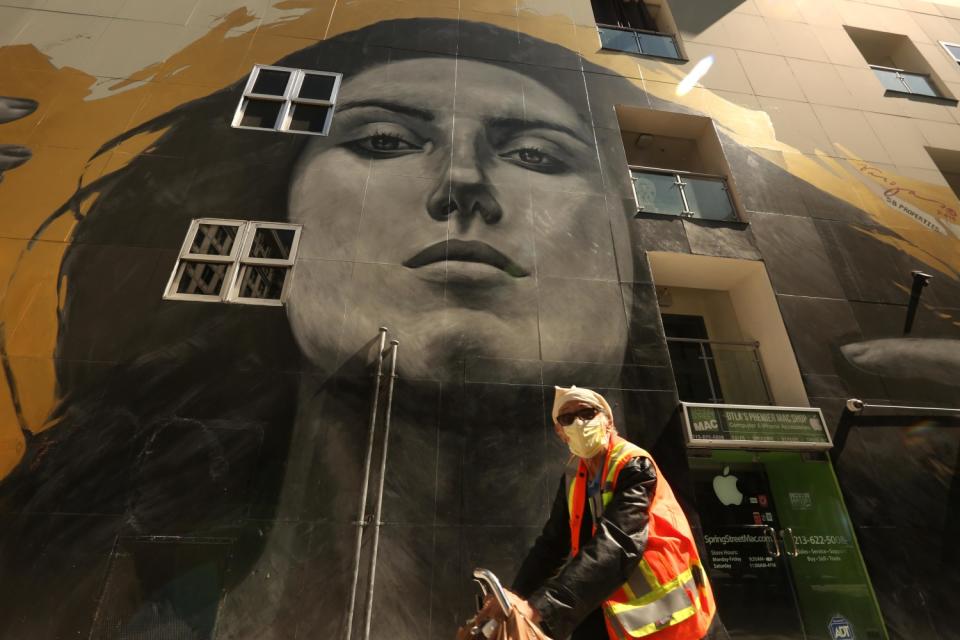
pixel 383 474
pixel 362 507
pixel 920 280
pixel 850 411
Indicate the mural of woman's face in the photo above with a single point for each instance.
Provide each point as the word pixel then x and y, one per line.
pixel 435 212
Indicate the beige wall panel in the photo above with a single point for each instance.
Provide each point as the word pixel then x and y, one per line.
pixel 796 124
pixel 128 46
pixel 496 7
pixel 940 135
pixel 863 85
pixel 820 13
pixel 922 109
pixel 780 9
pixel 937 27
pixel 726 73
pixel 750 33
pixel 580 11
pixel 858 14
pixel 107 8
pixel 921 6
pixel 168 11
pixel 69 40
pixel 951 10
pixel 839 47
pixel 929 176
pixel 797 40
pixel 209 13
pixel 745 100
pixel 12 22
pixel 821 83
pixel 852 132
pixel 946 68
pixel 902 140
pixel 770 76
pixel 749 7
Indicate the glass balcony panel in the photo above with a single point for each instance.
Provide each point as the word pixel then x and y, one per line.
pixel 889 79
pixel 740 376
pixel 920 85
pixel 708 198
pixel 653 44
pixel 730 373
pixel 657 193
pixel 619 40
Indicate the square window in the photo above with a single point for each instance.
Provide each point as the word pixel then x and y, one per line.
pixel 201 278
pixel 214 240
pixel 288 100
pixel 260 282
pixel 271 82
pixel 952 49
pixel 261 114
pixel 309 118
pixel 234 261
pixel 317 86
pixel 272 244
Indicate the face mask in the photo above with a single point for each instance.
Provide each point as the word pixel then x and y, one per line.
pixel 586 438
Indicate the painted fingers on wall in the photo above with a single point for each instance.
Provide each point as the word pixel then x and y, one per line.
pixel 14 155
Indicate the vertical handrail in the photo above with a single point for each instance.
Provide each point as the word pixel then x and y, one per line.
pixel 394 344
pixel 767 391
pixel 706 366
pixel 362 507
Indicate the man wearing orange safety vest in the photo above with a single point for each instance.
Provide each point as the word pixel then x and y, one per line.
pixel 617 558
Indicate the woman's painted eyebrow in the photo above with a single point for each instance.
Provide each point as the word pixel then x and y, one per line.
pixel 396 107
pixel 521 124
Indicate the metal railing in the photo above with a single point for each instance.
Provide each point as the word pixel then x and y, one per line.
pixel 639 41
pixel 719 372
pixel 682 193
pixel 901 81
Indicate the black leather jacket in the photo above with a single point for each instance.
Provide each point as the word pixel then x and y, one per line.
pixel 565 591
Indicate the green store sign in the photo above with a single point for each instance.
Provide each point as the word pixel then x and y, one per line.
pixel 727 426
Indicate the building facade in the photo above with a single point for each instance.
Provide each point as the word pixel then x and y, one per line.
pixel 287 287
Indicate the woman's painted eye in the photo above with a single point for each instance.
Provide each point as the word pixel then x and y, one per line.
pixel 535 159
pixel 385 144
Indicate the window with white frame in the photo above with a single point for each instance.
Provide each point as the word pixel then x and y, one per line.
pixel 234 261
pixel 952 49
pixel 288 100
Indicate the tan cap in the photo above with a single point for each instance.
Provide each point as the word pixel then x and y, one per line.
pixel 565 395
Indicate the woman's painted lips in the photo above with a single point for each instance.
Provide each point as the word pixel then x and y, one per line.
pixel 466 251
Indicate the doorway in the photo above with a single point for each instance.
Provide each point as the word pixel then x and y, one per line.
pixel 780 549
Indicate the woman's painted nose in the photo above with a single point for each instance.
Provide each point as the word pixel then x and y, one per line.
pixel 465 200
pixel 464 189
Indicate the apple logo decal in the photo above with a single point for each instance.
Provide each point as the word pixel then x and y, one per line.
pixel 725 487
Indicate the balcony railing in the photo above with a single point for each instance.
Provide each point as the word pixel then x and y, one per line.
pixel 639 41
pixel 681 193
pixel 720 372
pixel 901 81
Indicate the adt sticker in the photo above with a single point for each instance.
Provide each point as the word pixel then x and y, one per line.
pixel 840 629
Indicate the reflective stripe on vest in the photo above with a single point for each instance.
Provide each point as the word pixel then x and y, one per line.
pixel 645 604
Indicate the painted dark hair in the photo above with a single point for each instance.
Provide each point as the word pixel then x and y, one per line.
pixel 161 403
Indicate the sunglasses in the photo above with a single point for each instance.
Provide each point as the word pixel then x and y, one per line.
pixel 587 413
